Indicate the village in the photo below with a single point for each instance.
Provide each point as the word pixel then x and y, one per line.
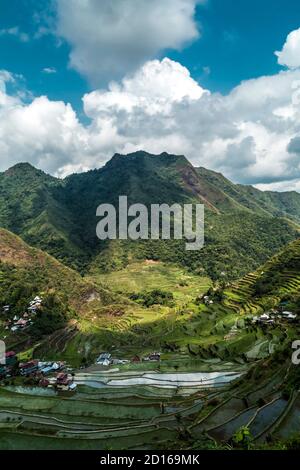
pixel 53 374
pixel 275 316
pixel 25 320
pixel 105 359
pixel 58 375
pixel 43 374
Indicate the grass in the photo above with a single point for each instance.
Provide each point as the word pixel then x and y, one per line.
pixel 149 275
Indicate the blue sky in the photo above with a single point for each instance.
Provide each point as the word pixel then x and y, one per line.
pixel 216 80
pixel 29 58
pixel 238 38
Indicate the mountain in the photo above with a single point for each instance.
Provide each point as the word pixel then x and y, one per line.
pixel 140 297
pixel 278 204
pixel 262 403
pixel 59 216
pixel 26 272
pixel 30 206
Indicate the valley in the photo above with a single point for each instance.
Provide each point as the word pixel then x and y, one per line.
pixel 219 324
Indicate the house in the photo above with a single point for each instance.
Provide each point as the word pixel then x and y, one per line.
pixel 44 383
pixel 28 368
pixel 154 357
pixel 104 359
pixel 22 323
pixel 64 383
pixel 46 370
pixel 232 333
pixel 10 358
pixel 35 304
pixel 136 359
pixel 62 379
pixel 264 317
pixel 289 315
pixel 32 310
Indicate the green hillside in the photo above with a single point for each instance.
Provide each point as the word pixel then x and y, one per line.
pixel 27 272
pixel 277 204
pixel 260 410
pixel 276 281
pixel 59 216
pixel 31 206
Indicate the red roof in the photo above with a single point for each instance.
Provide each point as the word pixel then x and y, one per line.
pixel 61 375
pixel 44 383
pixel 64 382
pixel 27 365
pixel 10 354
pixel 136 359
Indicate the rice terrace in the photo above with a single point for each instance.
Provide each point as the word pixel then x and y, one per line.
pixel 149 230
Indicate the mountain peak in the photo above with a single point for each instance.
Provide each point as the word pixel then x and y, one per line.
pixel 26 171
pixel 163 157
pixel 22 166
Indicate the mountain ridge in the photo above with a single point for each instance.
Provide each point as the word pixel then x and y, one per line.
pixel 59 215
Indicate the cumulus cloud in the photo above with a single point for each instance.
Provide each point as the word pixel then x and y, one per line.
pixel 109 39
pixel 252 134
pixel 42 133
pixel 245 134
pixel 290 53
pixel 153 89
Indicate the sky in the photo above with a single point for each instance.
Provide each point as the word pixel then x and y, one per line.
pixel 215 80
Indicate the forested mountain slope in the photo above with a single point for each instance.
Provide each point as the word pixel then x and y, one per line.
pixel 59 216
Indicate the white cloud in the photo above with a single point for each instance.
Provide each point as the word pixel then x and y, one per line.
pixel 6 100
pixel 15 32
pixel 45 133
pixel 49 70
pixel 153 89
pixel 112 38
pixel 245 134
pixel 252 134
pixel 290 53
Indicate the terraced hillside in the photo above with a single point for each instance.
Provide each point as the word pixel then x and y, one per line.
pixel 90 314
pixel 26 272
pixel 120 410
pixel 278 280
pixel 136 406
pixel 40 272
pixel 98 416
pixel 261 410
